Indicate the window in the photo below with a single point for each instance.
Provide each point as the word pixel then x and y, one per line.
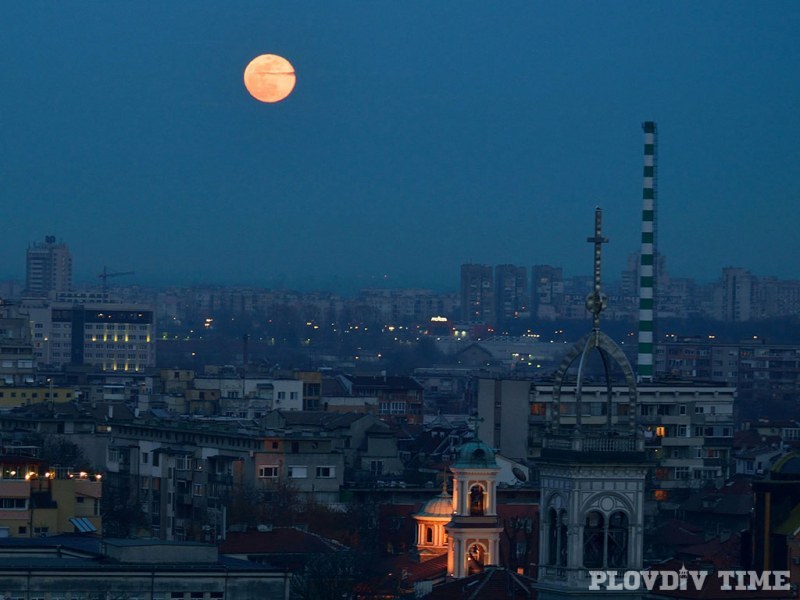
pixel 295 472
pixel 538 409
pixel 326 472
pixel 476 501
pixel 13 503
pixel 681 473
pixel 376 467
pixel 265 471
pixel 145 458
pixel 197 489
pixel 699 410
pixel 293 395
pixel 281 395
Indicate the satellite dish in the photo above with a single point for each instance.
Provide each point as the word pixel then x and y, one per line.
pixel 519 474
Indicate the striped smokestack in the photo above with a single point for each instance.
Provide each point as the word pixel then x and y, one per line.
pixel 647 273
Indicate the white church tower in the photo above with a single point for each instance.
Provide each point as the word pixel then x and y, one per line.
pixel 592 471
pixel 473 533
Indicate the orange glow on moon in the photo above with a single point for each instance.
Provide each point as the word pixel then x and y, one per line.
pixel 269 78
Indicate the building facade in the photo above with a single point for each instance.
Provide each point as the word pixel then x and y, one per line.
pixel 48 268
pixel 477 294
pixel 111 337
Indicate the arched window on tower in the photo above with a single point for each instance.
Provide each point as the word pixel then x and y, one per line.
pixel 617 546
pixel 476 501
pixel 552 536
pixel 562 538
pixel 429 535
pixel 557 538
pixel 593 540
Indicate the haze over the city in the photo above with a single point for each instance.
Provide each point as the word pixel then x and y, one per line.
pixel 419 136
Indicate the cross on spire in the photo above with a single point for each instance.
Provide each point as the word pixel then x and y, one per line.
pixel 475 421
pixel 596 301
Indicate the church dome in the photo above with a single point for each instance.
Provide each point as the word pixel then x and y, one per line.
pixel 475 455
pixel 440 506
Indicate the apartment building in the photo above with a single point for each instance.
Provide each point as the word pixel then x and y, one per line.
pixel 182 473
pixel 16 347
pixel 111 337
pixel 687 429
pixel 477 294
pixel 754 366
pixel 48 268
pixel 39 500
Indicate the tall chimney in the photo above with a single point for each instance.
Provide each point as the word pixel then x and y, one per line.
pixel 647 270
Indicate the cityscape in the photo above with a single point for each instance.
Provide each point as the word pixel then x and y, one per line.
pixel 354 336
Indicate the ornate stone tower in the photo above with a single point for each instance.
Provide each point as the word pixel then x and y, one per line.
pixel 592 470
pixel 474 529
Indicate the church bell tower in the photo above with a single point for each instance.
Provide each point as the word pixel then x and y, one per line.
pixel 474 529
pixel 592 470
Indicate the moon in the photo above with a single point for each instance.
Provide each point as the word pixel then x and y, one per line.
pixel 269 78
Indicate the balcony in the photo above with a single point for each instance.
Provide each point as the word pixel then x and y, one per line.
pixel 221 478
pixel 603 443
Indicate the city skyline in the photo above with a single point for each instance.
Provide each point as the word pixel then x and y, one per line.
pixel 418 138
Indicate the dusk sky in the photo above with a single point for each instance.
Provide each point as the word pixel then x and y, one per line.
pixel 420 135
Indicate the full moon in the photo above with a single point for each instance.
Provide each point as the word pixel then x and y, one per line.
pixel 269 78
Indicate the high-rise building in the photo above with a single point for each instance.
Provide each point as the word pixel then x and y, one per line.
pixel 48 268
pixel 547 292
pixel 737 295
pixel 511 293
pixel 477 294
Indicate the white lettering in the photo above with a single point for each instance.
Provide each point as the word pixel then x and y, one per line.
pixel 759 582
pixel 633 580
pixel 726 580
pixel 740 580
pixel 699 578
pixel 598 577
pixel 649 578
pixel 669 580
pixel 612 582
pixel 781 580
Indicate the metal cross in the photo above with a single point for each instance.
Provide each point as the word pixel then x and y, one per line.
pixel 595 302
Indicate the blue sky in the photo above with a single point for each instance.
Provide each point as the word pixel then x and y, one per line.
pixel 420 135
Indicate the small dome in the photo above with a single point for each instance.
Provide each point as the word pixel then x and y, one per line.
pixel 441 506
pixel 476 455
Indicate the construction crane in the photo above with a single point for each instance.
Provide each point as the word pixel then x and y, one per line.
pixel 105 275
